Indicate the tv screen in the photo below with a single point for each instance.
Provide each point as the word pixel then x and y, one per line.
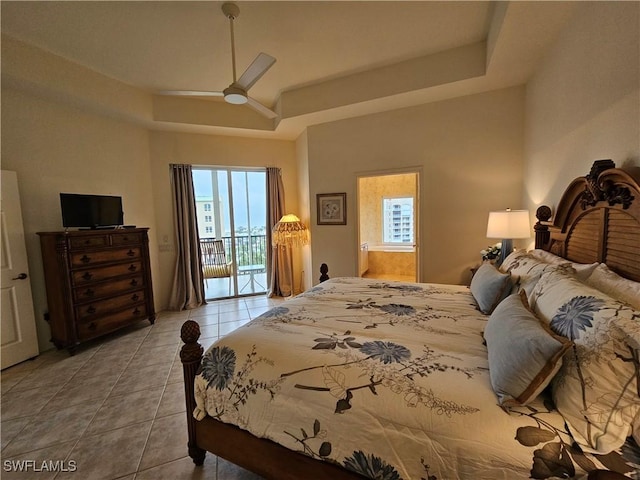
pixel 90 211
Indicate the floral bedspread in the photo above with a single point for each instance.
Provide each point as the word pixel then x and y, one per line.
pixel 389 380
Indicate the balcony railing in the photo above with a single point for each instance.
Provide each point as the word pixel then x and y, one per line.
pixel 250 249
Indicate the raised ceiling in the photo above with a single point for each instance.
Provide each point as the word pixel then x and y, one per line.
pixel 334 59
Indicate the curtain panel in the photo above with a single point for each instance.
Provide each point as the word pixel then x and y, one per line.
pixel 278 258
pixel 188 284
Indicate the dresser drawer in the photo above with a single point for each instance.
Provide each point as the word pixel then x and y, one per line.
pixel 89 292
pixel 89 241
pixel 102 307
pixel 109 323
pixel 112 255
pixel 82 277
pixel 126 239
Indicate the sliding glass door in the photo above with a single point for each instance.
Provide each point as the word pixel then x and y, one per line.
pixel 231 205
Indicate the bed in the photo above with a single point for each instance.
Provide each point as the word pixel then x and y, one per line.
pixel 532 372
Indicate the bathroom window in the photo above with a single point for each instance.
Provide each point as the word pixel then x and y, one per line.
pixel 397 220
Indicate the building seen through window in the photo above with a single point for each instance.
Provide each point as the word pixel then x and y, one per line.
pixel 397 213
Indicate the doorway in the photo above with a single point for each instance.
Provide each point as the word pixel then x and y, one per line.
pixel 388 225
pixel 231 207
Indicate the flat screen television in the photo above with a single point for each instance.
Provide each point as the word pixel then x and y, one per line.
pixel 91 211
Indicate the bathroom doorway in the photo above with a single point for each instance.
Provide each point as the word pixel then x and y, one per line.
pixel 388 225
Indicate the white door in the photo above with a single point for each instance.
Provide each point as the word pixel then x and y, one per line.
pixel 19 340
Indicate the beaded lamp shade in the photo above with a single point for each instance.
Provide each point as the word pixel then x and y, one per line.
pixel 290 231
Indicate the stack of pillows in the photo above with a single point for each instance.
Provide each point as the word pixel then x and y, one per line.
pixel 575 327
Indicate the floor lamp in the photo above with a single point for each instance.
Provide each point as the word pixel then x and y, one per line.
pixel 507 225
pixel 289 232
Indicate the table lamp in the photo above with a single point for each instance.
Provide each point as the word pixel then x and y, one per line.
pixel 507 225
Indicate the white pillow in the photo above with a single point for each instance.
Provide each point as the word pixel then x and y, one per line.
pixel 596 389
pixel 583 270
pixel 614 285
pixel 547 256
pixel 526 270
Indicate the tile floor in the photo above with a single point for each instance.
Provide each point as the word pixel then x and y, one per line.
pixel 116 409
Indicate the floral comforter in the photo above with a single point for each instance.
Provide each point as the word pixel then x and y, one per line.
pixel 389 380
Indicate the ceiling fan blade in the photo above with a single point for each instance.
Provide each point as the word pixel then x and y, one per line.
pixel 258 107
pixel 258 67
pixel 191 93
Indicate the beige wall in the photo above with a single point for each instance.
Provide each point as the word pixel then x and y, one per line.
pixel 470 151
pixel 304 211
pixel 167 148
pixel 58 148
pixel 583 103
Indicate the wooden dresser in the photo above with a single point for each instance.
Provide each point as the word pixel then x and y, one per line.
pixel 97 281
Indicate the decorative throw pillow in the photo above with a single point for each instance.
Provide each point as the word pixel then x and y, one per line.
pixel 524 354
pixel 489 286
pixel 596 389
pixel 526 269
pixel 614 285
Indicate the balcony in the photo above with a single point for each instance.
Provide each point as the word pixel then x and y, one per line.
pixel 249 267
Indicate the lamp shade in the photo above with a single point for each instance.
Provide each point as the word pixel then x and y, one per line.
pixel 509 224
pixel 289 231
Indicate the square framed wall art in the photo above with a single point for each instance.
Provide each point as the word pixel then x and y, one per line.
pixel 332 208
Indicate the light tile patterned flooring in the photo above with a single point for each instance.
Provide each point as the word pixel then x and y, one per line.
pixel 116 409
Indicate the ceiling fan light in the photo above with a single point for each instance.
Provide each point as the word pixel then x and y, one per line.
pixel 235 95
pixel 235 98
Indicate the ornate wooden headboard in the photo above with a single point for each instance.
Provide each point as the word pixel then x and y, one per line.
pixel 597 220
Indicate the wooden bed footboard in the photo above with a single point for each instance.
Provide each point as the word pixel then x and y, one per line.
pixel 264 457
pixel 191 357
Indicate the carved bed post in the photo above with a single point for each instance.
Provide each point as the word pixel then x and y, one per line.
pixel 543 214
pixel 191 356
pixel 324 273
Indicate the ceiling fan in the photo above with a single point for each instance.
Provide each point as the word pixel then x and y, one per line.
pixel 236 93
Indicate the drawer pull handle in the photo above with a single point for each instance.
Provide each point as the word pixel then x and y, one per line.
pixel 133 282
pixel 91 309
pixel 132 268
pixel 89 292
pixel 85 259
pixel 131 253
pixel 136 311
pixel 87 276
pixel 92 326
pixel 135 297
